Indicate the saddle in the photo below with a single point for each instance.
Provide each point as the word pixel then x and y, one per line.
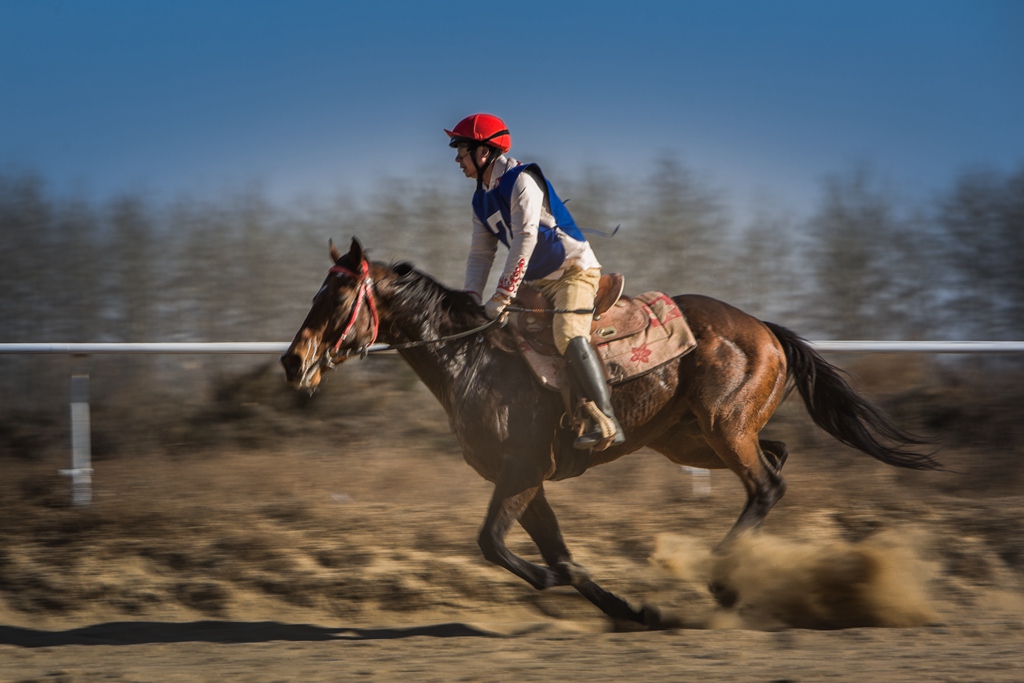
pixel 614 317
pixel 632 336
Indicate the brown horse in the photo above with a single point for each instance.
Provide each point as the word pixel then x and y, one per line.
pixel 704 409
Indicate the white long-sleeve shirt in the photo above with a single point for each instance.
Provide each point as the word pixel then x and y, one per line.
pixel 529 209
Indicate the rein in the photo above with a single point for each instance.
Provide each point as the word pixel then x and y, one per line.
pixel 499 321
pixel 363 294
pixel 562 311
pixel 425 342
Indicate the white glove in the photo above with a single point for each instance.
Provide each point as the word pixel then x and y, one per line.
pixel 497 305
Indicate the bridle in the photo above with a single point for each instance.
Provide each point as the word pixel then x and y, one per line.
pixel 362 295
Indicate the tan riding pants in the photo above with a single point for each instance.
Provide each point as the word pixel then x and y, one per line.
pixel 574 289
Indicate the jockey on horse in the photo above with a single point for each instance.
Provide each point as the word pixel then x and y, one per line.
pixel 516 205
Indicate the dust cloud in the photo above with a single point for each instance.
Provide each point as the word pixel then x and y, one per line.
pixel 766 582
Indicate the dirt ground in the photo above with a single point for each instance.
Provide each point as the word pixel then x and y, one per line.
pixel 359 562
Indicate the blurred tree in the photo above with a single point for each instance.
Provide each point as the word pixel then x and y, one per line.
pixel 595 200
pixel 131 262
pixel 131 273
pixel 868 261
pixel 387 220
pixel 196 253
pixel 76 268
pixel 681 239
pixel 26 222
pixel 440 231
pixel 258 273
pixel 769 280
pixel 983 216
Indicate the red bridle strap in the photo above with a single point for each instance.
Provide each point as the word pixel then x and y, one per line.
pixel 362 294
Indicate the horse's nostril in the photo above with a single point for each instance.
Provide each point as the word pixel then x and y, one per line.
pixel 291 363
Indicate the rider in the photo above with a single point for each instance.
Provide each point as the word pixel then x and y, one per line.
pixel 516 205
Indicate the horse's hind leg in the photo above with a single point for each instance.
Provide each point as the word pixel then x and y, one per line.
pixel 776 452
pixel 756 462
pixel 758 471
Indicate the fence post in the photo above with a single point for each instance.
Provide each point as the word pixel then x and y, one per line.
pixel 81 447
pixel 700 480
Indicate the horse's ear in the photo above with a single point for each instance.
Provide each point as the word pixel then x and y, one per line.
pixel 335 254
pixel 355 252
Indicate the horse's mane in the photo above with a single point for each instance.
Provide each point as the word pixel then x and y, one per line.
pixel 449 310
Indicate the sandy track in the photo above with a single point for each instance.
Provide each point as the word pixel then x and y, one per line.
pixel 328 566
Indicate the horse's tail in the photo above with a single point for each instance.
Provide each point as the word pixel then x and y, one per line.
pixel 842 412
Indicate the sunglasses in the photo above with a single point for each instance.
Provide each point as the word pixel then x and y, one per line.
pixel 462 151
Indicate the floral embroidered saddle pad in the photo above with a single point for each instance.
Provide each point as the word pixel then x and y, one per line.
pixel 632 337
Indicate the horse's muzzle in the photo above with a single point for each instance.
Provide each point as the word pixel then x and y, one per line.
pixel 300 374
pixel 292 365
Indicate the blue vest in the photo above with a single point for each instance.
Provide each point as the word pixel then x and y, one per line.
pixel 493 208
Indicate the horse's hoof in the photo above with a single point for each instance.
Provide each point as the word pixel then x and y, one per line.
pixel 651 617
pixel 647 618
pixel 724 595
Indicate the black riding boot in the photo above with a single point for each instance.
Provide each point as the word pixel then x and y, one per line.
pixel 588 379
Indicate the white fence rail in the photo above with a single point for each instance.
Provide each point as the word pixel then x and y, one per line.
pixel 921 346
pixel 148 347
pixel 258 348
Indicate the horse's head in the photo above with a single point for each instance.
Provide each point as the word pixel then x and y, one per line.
pixel 343 320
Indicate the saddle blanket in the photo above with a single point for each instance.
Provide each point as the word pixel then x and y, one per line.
pixel 666 336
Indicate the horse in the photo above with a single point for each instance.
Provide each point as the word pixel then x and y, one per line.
pixel 704 409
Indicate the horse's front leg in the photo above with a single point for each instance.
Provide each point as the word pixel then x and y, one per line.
pixel 508 504
pixel 540 522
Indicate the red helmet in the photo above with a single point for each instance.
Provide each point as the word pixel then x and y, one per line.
pixel 482 128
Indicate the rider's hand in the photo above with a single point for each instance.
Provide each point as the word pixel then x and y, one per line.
pixel 496 305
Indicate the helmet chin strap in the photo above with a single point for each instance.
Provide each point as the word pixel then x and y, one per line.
pixel 490 156
pixel 480 169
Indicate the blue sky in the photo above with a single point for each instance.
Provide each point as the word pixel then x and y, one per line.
pixel 312 97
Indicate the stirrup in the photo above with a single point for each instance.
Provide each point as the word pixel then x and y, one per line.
pixel 605 432
pixel 587 440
